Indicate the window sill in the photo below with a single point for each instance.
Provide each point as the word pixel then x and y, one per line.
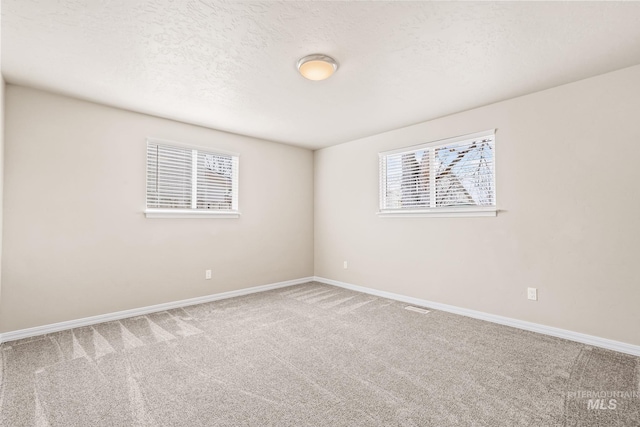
pixel 440 212
pixel 187 213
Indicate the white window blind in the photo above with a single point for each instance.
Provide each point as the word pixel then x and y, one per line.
pixel 187 180
pixel 453 175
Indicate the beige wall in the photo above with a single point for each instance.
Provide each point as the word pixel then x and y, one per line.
pixel 76 242
pixel 2 87
pixel 569 222
pixel 1 149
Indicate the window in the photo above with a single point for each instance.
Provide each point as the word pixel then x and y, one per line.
pixel 190 182
pixel 452 177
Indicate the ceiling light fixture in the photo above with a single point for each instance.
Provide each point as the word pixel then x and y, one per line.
pixel 317 66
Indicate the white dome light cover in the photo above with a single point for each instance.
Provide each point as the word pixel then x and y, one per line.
pixel 317 66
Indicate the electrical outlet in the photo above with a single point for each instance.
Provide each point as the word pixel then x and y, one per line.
pixel 345 265
pixel 207 274
pixel 532 294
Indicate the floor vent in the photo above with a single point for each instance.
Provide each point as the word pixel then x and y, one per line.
pixel 416 309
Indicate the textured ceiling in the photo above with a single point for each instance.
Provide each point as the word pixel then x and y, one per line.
pixel 231 65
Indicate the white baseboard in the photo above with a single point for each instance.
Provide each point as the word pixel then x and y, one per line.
pixel 520 324
pixel 507 321
pixel 86 321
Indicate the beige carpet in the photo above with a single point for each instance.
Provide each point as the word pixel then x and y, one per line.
pixel 312 355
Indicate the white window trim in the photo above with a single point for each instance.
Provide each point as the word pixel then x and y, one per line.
pixel 447 212
pixel 187 213
pixel 440 142
pixel 440 212
pixel 193 213
pixel 191 146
